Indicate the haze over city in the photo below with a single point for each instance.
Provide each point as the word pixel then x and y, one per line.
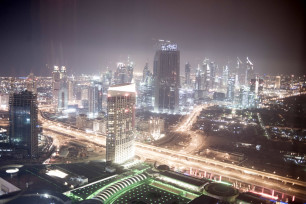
pixel 88 37
pixel 169 102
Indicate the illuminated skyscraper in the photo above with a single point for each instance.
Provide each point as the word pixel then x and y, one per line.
pixel 145 90
pixel 121 101
pixel 166 74
pixel 23 116
pixel 225 76
pixel 124 73
pixel 71 95
pixel 187 73
pixel 231 89
pixel 56 77
pixel 63 90
pixel 277 82
pixel 95 98
pixel 213 71
pixel 249 72
pixel 31 83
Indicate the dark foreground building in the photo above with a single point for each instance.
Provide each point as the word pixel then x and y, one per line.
pixel 23 116
pixel 166 78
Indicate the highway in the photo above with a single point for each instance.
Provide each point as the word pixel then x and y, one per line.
pixel 184 158
pixel 197 140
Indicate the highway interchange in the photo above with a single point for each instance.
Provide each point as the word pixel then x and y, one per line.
pixel 184 158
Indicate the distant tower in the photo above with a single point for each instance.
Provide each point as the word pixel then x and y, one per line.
pixel 56 77
pixel 146 72
pixel 63 90
pixel 95 95
pixel 213 71
pixel 207 75
pixel 249 72
pixel 225 76
pixel 277 82
pixel 187 73
pixel 124 73
pixel 23 127
pixel 31 82
pixel 120 123
pixel 231 89
pixel 166 72
pixel 71 96
pixel 145 90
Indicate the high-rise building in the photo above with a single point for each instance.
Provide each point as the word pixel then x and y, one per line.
pixel 187 73
pixel 277 82
pixel 56 78
pixel 31 82
pixel 145 90
pixel 225 76
pixel 199 83
pixel 121 101
pixel 231 89
pixel 63 90
pixel 166 74
pixel 207 76
pixel 146 72
pixel 71 95
pixel 213 73
pixel 239 74
pixel 95 95
pixel 249 71
pixel 124 73
pixel 23 127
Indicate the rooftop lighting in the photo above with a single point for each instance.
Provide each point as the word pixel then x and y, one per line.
pixel 56 173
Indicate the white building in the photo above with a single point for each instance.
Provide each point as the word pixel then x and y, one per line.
pixel 121 101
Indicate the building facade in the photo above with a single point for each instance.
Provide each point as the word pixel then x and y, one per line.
pixel 166 74
pixel 23 114
pixel 120 123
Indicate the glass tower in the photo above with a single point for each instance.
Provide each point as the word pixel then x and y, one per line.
pixel 167 78
pixel 23 116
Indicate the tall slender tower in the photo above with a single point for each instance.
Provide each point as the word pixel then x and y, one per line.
pixel 120 123
pixel 166 73
pixel 63 90
pixel 187 73
pixel 23 116
pixel 56 83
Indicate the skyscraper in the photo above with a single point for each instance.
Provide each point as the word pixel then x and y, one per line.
pixel 166 74
pixel 249 71
pixel 207 78
pixel 120 123
pixel 56 77
pixel 31 83
pixel 145 90
pixel 231 88
pixel 23 116
pixel 277 82
pixel 225 76
pixel 187 73
pixel 124 73
pixel 63 90
pixel 95 95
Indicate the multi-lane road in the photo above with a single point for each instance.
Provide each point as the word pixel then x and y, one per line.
pixel 184 158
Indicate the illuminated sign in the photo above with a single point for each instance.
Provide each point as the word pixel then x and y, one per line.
pixel 169 47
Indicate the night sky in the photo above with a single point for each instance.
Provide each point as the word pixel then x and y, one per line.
pixel 87 35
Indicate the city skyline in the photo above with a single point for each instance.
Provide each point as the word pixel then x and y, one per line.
pixel 177 101
pixel 40 33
